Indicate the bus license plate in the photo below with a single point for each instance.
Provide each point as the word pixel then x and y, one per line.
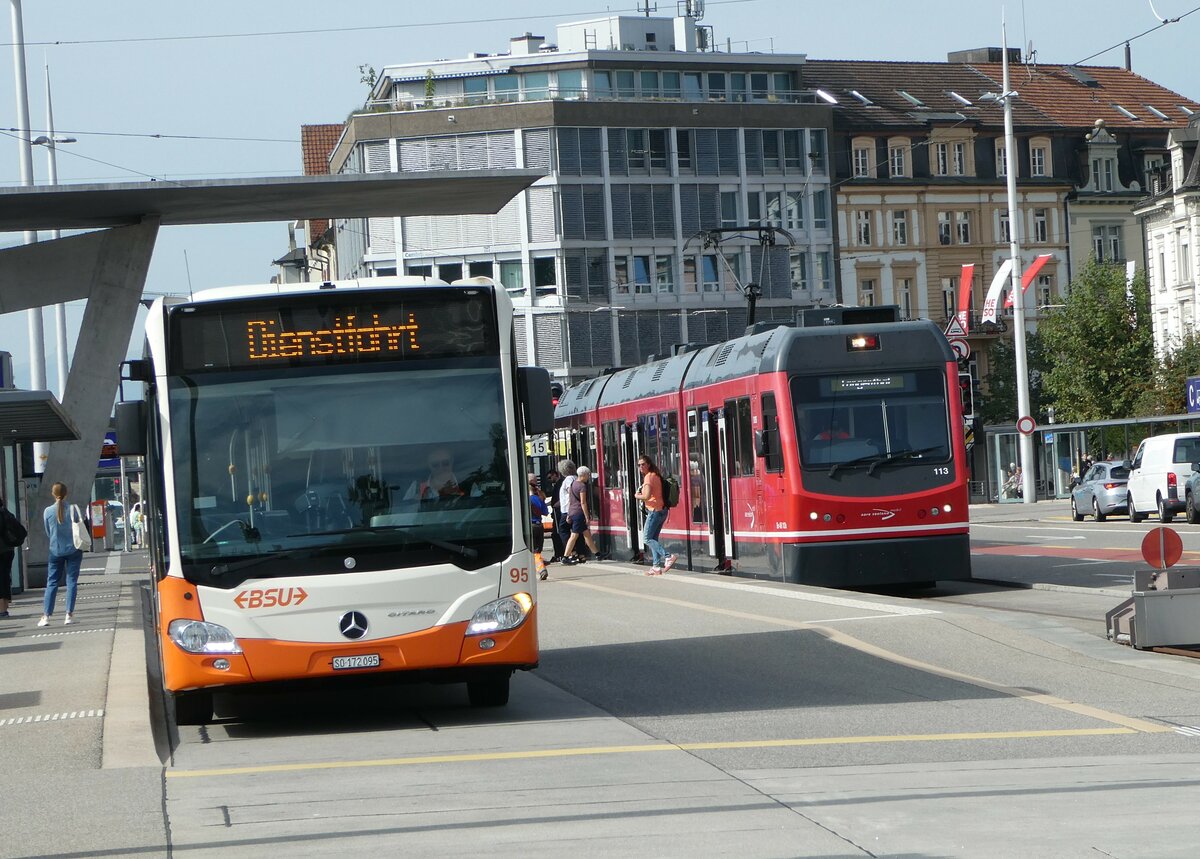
pixel 369 660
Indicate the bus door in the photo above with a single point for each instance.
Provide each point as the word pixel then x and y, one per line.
pixel 628 479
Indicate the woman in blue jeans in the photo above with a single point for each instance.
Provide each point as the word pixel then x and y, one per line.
pixel 64 557
pixel 651 495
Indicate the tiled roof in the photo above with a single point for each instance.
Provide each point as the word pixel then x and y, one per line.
pixel 1049 96
pixel 1059 92
pixel 316 144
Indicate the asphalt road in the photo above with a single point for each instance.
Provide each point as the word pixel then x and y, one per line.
pixel 689 715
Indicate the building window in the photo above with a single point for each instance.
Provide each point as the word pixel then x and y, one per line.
pixel 963 222
pixel 944 231
pixel 729 209
pixel 949 298
pixel 897 157
pixel 1005 228
pixel 816 149
pixel 866 293
pixel 710 280
pixel 794 213
pixel 664 273
pixel 899 228
pixel 1185 262
pixel 1001 159
pixel 906 298
pixel 1037 161
pixel 683 150
pixel 475 90
pixel 642 274
pixel 862 163
pixel 512 277
pixel 940 159
pixel 1103 173
pixel 862 228
pixel 716 86
pixel 820 210
pixel 1045 291
pixel 1106 243
pixel 568 84
pixel 506 87
pixel 798 262
pixel 670 85
pixel 774 201
pixel 1040 231
pixel 545 281
pixel 960 159
pixel 536 86
pixel 823 271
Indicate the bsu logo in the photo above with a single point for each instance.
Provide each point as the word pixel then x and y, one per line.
pixel 271 597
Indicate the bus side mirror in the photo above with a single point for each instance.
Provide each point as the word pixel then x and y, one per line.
pixel 533 390
pixel 131 428
pixel 760 443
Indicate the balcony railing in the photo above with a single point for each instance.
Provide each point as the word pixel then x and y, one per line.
pixel 408 101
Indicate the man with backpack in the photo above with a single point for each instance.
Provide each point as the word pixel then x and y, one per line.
pixel 12 535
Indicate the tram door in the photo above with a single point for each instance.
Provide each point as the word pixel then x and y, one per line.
pixel 629 481
pixel 714 476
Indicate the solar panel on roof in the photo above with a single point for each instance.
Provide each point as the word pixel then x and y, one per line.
pixel 1081 76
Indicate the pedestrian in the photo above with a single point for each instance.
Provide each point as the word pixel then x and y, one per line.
pixel 135 524
pixel 566 469
pixel 537 509
pixel 652 496
pixel 65 557
pixel 12 535
pixel 553 482
pixel 580 517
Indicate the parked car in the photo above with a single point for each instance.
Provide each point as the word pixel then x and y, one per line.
pixel 1160 468
pixel 1191 500
pixel 1102 491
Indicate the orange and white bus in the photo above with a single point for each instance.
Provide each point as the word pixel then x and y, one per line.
pixel 335 485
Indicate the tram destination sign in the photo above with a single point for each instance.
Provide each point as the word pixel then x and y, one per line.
pixel 329 329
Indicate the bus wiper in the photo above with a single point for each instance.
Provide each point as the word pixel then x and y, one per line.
pixel 901 455
pixel 851 463
pixel 455 548
pixel 224 569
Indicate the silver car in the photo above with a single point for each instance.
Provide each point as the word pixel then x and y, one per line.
pixel 1101 492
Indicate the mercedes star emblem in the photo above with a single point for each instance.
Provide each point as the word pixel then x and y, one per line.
pixel 353 624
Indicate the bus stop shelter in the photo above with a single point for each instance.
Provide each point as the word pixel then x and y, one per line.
pixel 1059 451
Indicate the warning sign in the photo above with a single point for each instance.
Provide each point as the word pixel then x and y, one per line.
pixel 954 328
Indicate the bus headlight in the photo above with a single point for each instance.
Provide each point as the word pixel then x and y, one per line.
pixel 500 615
pixel 196 636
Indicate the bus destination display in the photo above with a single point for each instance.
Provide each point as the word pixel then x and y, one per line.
pixel 321 331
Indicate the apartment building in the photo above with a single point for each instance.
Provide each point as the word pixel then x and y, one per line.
pixel 1171 217
pixel 920 170
pixel 651 145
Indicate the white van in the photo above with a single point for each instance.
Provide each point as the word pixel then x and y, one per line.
pixel 1159 473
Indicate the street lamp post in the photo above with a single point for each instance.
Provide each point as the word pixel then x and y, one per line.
pixel 1011 165
pixel 50 140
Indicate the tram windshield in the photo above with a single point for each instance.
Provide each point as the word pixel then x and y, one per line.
pixel 340 469
pixel 874 421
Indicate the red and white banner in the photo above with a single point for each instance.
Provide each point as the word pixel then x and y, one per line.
pixel 964 296
pixel 1029 275
pixel 993 294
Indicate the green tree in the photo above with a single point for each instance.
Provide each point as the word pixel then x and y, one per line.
pixel 1101 346
pixel 1167 394
pixel 368 76
pixel 430 87
pixel 1000 400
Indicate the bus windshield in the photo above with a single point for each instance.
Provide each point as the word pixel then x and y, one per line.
pixel 342 469
pixel 872 420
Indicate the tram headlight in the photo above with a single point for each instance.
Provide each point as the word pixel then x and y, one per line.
pixel 196 636
pixel 500 615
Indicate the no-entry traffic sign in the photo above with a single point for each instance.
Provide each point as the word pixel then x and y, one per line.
pixel 1162 548
pixel 1026 425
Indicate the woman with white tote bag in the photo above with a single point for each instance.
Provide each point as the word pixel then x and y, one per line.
pixel 69 536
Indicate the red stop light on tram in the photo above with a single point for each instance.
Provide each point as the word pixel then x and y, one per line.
pixel 966 392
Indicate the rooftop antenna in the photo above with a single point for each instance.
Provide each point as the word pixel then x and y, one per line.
pixel 646 9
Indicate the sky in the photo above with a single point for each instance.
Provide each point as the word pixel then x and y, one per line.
pixel 156 89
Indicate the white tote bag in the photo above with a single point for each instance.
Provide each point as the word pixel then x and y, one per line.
pixel 80 534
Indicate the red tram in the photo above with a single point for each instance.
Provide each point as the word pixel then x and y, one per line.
pixel 829 455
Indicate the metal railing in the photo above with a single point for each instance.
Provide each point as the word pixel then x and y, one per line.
pixel 407 101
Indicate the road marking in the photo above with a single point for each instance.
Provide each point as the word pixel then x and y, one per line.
pixel 72 632
pixel 844 602
pixel 51 717
pixel 1083 564
pixel 839 637
pixel 534 754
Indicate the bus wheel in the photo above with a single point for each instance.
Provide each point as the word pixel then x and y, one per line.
pixel 490 691
pixel 193 708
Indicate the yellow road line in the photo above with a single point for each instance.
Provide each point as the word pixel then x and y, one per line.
pixel 534 754
pixel 839 637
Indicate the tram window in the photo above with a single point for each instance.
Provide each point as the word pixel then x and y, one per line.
pixel 668 461
pixel 773 459
pixel 610 439
pixel 741 435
